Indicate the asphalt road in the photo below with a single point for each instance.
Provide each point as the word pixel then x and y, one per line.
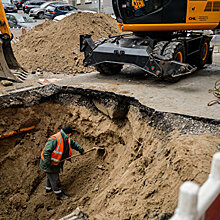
pixel 189 96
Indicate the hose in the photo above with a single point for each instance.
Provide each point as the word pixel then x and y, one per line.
pixel 216 92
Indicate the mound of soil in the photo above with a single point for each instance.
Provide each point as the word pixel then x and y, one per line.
pixel 54 46
pixel 149 155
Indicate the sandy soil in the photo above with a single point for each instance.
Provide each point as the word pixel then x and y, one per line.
pixel 138 178
pixel 54 46
pixel 144 165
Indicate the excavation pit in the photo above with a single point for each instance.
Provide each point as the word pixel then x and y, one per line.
pixel 149 154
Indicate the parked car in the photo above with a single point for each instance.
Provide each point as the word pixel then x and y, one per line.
pixel 54 10
pixel 39 12
pixel 9 6
pixel 60 17
pixel 20 20
pixel 27 6
pixel 19 3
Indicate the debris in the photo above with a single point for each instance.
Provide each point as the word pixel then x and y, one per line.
pixel 101 167
pixel 6 83
pixel 77 214
pixel 112 108
pixel 216 92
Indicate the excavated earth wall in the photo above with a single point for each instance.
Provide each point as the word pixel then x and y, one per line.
pixel 148 156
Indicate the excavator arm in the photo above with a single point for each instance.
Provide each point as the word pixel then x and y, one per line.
pixel 9 67
pixel 4 26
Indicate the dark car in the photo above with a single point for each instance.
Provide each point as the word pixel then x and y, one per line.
pixel 19 3
pixel 9 6
pixel 20 20
pixel 27 6
pixel 54 10
pixel 39 12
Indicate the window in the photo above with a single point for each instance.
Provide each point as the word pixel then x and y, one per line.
pixel 71 8
pixel 62 8
pixel 78 2
pixel 88 1
pixel 7 1
pixel 50 8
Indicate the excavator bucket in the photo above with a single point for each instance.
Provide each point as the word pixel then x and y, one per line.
pixel 9 67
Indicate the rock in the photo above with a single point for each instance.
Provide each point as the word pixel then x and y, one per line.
pixel 6 83
pixel 101 167
pixel 77 214
pixel 166 216
pixel 113 109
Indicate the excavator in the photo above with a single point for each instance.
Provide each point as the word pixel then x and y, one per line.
pixel 164 38
pixel 9 67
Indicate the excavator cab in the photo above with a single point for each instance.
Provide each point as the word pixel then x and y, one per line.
pixel 152 11
pixel 9 67
pixel 166 15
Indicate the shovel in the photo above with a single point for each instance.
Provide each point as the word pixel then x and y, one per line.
pixel 100 151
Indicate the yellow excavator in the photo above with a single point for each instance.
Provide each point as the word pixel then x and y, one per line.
pixel 9 67
pixel 165 37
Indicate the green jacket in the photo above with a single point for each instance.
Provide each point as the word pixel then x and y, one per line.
pixel 46 165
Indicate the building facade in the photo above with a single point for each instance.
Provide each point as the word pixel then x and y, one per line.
pixel 101 6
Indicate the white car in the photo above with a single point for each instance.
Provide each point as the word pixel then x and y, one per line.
pixel 60 17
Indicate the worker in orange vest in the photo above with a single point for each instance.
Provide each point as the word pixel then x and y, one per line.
pixel 57 148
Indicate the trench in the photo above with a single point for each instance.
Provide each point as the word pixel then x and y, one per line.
pixel 149 154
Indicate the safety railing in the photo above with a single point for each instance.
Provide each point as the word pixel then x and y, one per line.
pixel 201 203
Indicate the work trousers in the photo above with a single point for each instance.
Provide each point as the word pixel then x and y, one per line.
pixel 53 183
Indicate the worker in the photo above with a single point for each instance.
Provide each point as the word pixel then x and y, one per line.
pixel 57 148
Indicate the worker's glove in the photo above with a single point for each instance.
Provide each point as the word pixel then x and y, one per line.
pixel 82 152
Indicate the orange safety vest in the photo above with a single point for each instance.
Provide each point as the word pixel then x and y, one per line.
pixel 58 152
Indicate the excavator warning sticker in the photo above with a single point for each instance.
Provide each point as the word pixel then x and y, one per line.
pixel 137 4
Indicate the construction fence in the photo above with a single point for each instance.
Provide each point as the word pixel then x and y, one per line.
pixel 201 203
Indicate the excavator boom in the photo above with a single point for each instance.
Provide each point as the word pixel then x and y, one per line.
pixel 9 67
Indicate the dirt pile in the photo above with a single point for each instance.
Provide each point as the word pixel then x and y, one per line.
pixel 54 46
pixel 149 155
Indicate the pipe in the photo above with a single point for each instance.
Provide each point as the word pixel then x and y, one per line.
pixel 19 131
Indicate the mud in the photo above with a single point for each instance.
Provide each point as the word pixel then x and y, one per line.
pixel 55 46
pixel 149 155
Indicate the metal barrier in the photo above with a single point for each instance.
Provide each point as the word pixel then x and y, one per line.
pixel 201 203
pixel 216 43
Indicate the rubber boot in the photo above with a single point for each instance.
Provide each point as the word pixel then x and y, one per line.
pixel 62 196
